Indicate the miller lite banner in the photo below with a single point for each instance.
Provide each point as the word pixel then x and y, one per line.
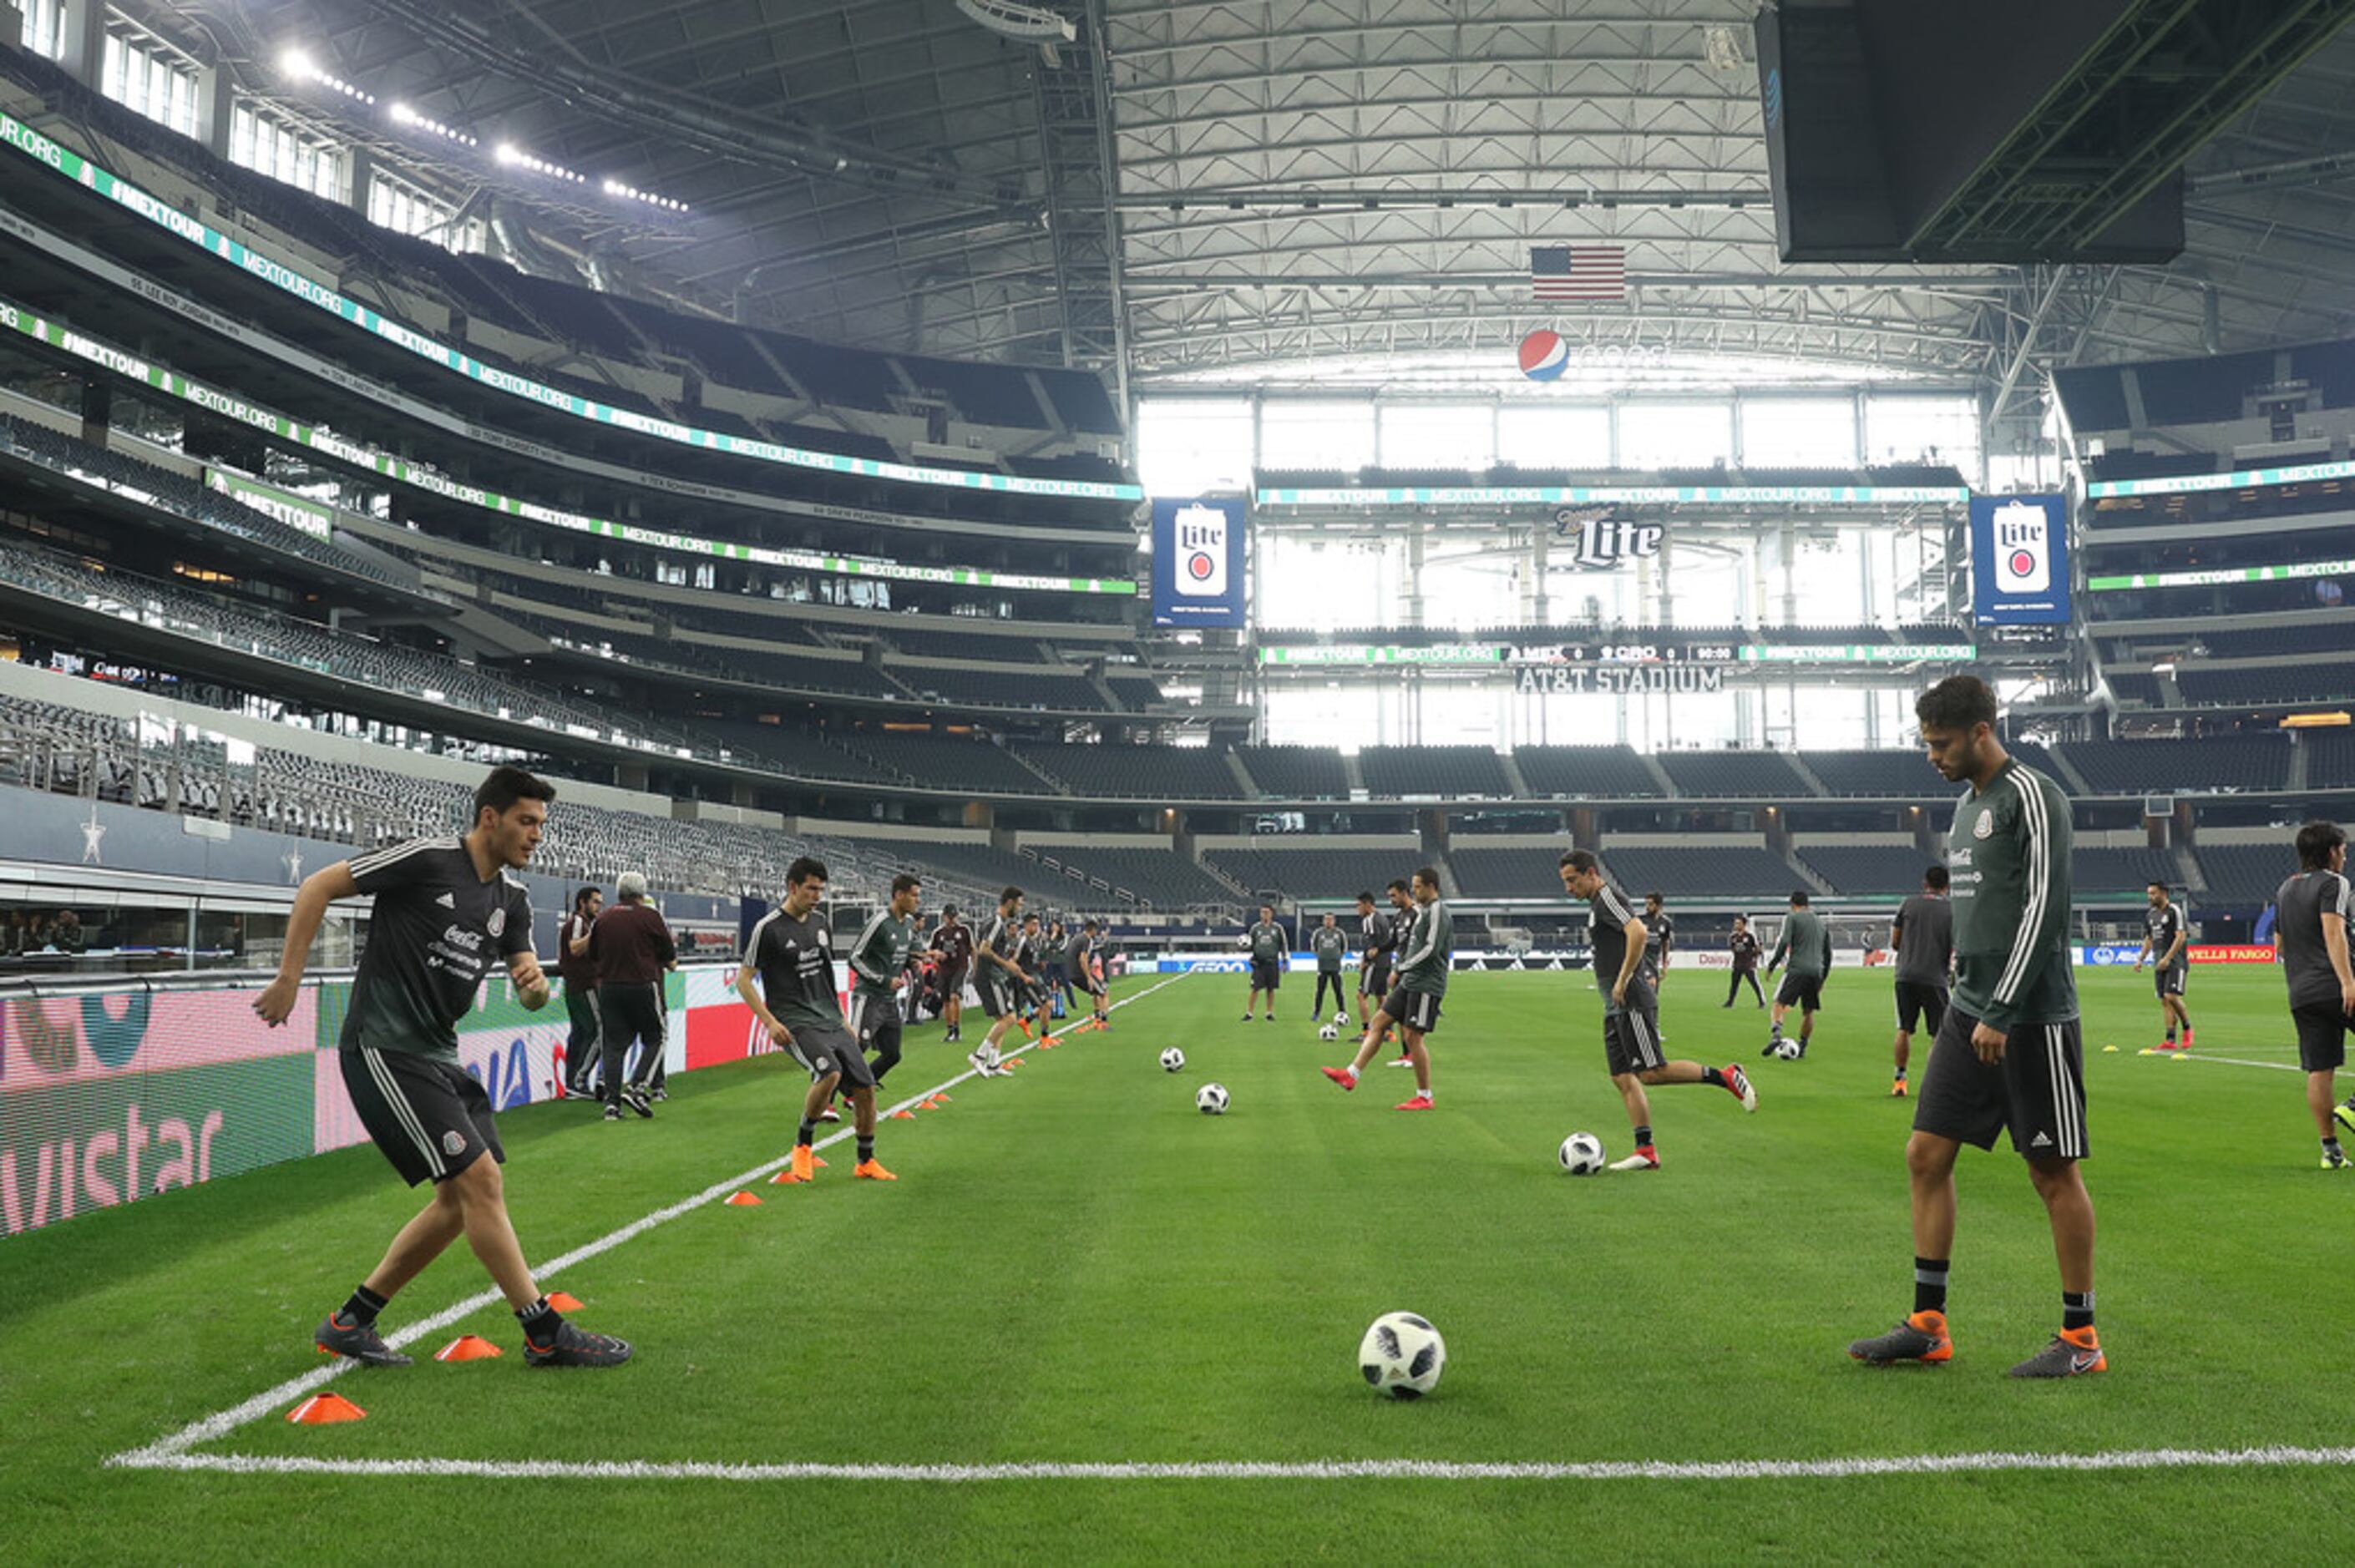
pixel 1197 561
pixel 2019 560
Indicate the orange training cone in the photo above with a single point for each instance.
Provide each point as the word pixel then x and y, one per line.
pixel 782 1178
pixel 819 1160
pixel 564 1301
pixel 903 1116
pixel 322 1409
pixel 935 1104
pixel 743 1200
pixel 469 1348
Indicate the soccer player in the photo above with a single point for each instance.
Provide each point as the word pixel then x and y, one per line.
pixel 1923 935
pixel 1806 941
pixel 1743 946
pixel 1058 969
pixel 954 941
pixel 2164 936
pixel 2311 927
pixel 1268 948
pixel 1661 928
pixel 1087 970
pixel 1428 948
pixel 578 973
pixel 1630 1027
pixel 1001 981
pixel 444 909
pixel 2008 1054
pixel 878 968
pixel 633 950
pixel 791 956
pixel 1329 943
pixel 1038 994
pixel 1383 934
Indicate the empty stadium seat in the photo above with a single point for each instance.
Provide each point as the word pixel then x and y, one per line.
pixel 1441 773
pixel 1586 772
pixel 1738 775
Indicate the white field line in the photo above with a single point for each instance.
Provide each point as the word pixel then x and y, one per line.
pixel 1246 1470
pixel 164 1451
pixel 2241 1062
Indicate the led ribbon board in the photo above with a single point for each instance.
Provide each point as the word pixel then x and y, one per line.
pixel 293 432
pixel 132 198
pixel 2196 483
pixel 1629 495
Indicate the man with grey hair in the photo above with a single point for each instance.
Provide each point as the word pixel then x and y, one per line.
pixel 631 947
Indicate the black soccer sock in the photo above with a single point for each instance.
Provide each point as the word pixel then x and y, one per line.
pixel 2076 1310
pixel 1713 1076
pixel 809 1130
pixel 1643 1137
pixel 540 1321
pixel 2329 1145
pixel 1930 1284
pixel 866 1148
pixel 365 1304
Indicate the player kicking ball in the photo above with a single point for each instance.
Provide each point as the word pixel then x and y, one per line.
pixel 791 954
pixel 443 908
pixel 1631 1009
pixel 1427 951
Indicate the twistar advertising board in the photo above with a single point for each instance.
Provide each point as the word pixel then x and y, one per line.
pixel 1197 561
pixel 2019 560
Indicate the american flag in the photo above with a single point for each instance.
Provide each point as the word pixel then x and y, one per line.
pixel 1586 273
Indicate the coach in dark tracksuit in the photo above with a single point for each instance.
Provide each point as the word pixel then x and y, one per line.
pixel 584 1043
pixel 633 948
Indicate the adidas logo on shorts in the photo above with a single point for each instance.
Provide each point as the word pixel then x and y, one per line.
pixel 2040 1142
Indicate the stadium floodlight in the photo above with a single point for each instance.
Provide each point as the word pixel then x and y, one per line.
pixel 507 153
pixel 631 193
pixel 402 114
pixel 1721 47
pixel 297 62
pixel 1025 23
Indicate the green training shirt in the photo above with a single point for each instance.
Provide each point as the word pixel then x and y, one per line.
pixel 881 952
pixel 2007 854
pixel 1422 961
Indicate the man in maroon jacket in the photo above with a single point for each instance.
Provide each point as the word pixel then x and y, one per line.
pixel 632 949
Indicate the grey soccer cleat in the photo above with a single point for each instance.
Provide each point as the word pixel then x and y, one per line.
pixel 357 1341
pixel 576 1347
pixel 1919 1337
pixel 2072 1353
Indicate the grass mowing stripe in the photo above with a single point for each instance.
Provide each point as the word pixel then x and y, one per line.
pixel 159 1454
pixel 1319 1470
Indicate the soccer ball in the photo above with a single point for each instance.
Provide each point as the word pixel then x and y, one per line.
pixel 1341 1020
pixel 1581 1154
pixel 1787 1050
pixel 1330 1032
pixel 1402 1355
pixel 1172 1060
pixel 1210 1099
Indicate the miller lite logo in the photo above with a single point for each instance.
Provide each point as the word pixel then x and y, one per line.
pixel 1200 539
pixel 2023 549
pixel 1605 541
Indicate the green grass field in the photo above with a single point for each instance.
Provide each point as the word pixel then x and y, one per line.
pixel 1077 1266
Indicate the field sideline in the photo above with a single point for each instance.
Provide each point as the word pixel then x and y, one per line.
pixel 1078 1273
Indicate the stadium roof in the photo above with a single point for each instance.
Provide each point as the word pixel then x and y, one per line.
pixel 1292 181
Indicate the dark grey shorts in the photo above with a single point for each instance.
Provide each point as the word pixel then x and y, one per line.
pixel 825 1052
pixel 2037 1092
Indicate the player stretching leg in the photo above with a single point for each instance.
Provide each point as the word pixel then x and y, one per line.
pixel 1414 1005
pixel 2008 1053
pixel 1923 937
pixel 792 953
pixel 1631 1019
pixel 878 961
pixel 1001 980
pixel 443 907
pixel 2314 907
pixel 2164 935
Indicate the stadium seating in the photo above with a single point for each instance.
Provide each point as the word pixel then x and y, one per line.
pixel 1586 772
pixel 1903 774
pixel 2095 871
pixel 1314 872
pixel 1507 872
pixel 2178 766
pixel 1298 772
pixel 2334 635
pixel 2246 874
pixel 1159 773
pixel 1441 773
pixel 1733 775
pixel 943 763
pixel 2314 679
pixel 2331 760
pixel 1041 687
pixel 1866 869
pixel 1159 877
pixel 1737 871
